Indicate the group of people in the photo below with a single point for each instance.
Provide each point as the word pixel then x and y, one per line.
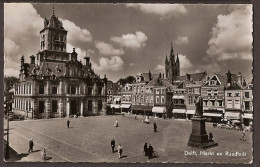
pixel 148 150
pixel 119 148
pixel 43 151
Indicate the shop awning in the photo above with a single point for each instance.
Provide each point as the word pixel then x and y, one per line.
pixel 125 106
pixel 248 116
pixel 212 114
pixel 178 97
pixel 190 112
pixel 159 110
pixel 232 115
pixel 115 105
pixel 179 111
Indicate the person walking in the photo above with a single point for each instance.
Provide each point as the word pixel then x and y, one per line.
pixel 113 143
pixel 120 151
pixel 145 149
pixel 154 127
pixel 150 151
pixel 43 154
pixel 211 137
pixel 116 123
pixel 30 146
pixel 243 135
pixel 68 123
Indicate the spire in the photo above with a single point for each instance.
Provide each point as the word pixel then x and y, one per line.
pixel 171 47
pixel 177 60
pixel 166 59
pixel 171 53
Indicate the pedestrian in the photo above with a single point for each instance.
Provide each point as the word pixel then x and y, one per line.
pixel 211 137
pixel 68 123
pixel 123 114
pixel 116 123
pixel 43 153
pixel 150 151
pixel 113 143
pixel 243 135
pixel 30 146
pixel 135 116
pixel 145 149
pixel 120 150
pixel 154 127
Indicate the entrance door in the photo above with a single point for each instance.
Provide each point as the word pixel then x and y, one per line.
pixel 73 107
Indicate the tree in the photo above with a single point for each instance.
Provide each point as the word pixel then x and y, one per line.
pixel 126 80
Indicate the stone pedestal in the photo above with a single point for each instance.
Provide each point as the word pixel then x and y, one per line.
pixel 198 136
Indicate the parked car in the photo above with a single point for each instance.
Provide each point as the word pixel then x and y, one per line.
pixel 15 117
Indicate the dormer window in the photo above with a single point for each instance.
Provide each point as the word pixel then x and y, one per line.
pixel 213 82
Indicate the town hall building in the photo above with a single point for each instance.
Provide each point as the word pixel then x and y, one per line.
pixel 55 83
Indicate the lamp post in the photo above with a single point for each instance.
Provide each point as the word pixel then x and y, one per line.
pixel 7 156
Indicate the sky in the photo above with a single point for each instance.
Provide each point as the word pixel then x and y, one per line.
pixel 127 39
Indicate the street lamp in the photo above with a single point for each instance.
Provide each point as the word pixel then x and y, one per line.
pixel 7 156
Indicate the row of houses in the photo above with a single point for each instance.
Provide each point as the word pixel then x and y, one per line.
pixel 225 97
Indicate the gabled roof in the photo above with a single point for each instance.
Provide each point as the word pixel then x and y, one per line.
pixel 222 79
pixel 192 77
pixel 234 86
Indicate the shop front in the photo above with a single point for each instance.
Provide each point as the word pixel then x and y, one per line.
pixel 190 113
pixel 213 115
pixel 231 115
pixel 159 111
pixel 247 119
pixel 142 110
pixel 125 107
pixel 179 113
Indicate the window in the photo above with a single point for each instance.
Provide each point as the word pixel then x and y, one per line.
pixel 30 90
pixel 215 92
pixel 219 103
pixel 157 91
pixel 205 102
pixel 151 99
pixel 41 106
pixel 175 101
pixel 209 92
pixel 89 90
pixel 157 99
pixel 190 90
pixel 247 106
pixel 147 90
pixel 246 94
pixel 237 104
pixel 213 82
pixel 72 89
pixel 190 100
pixel 54 106
pixel 236 94
pixel 229 94
pixel 99 105
pixel 41 89
pixel 229 104
pixel 163 91
pixel 123 97
pixel 99 90
pixel 196 90
pixel 213 102
pixel 54 90
pixel 162 99
pixel 89 105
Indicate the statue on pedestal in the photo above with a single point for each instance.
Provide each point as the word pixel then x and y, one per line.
pixel 199 107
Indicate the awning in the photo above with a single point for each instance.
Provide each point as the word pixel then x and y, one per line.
pixel 159 110
pixel 178 97
pixel 179 111
pixel 248 116
pixel 125 106
pixel 232 115
pixel 190 112
pixel 212 114
pixel 115 105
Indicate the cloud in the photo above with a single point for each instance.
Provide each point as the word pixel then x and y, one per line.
pixel 108 49
pixel 164 10
pixel 231 37
pixel 10 47
pixel 133 41
pixel 75 33
pixel 182 40
pixel 132 64
pixel 159 67
pixel 184 62
pixel 106 64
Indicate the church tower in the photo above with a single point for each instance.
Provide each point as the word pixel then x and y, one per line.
pixel 172 67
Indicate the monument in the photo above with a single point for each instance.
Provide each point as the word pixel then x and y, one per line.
pixel 199 137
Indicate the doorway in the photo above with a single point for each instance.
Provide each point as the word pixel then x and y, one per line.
pixel 73 107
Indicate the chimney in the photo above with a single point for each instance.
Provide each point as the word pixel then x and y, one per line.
pixel 229 78
pixel 32 59
pixel 239 78
pixel 86 59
